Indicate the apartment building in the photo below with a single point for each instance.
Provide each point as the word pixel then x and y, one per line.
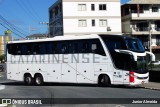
pixel 76 17
pixel 3 41
pixel 140 18
pixel 37 36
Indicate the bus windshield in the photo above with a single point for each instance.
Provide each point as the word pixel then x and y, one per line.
pixel 126 61
pixel 134 45
pixel 140 66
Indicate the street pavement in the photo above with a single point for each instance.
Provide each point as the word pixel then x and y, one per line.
pixel 13 89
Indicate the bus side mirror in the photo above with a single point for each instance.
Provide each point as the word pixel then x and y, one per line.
pixel 152 56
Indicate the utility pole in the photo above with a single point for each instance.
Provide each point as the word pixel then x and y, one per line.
pixel 46 23
pixel 150 36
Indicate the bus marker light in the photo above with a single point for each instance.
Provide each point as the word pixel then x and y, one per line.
pixel 131 76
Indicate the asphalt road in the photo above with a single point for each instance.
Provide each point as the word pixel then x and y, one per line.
pixel 12 89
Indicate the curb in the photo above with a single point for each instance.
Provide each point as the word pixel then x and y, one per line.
pixel 151 88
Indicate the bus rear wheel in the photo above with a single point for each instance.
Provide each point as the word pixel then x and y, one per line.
pixel 38 79
pixel 28 80
pixel 104 81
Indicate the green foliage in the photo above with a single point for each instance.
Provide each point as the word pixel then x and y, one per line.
pixel 2 58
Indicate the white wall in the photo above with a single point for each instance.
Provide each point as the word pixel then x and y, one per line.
pixel 71 26
pixel 71 9
pixel 71 16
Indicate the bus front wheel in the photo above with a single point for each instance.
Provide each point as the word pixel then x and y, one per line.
pixel 38 80
pixel 104 81
pixel 28 79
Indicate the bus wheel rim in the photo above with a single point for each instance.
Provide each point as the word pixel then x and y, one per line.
pixel 38 80
pixel 28 80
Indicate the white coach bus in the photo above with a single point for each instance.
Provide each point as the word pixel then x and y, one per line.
pixel 97 59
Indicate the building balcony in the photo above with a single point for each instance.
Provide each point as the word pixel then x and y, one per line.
pixel 157 29
pixel 141 16
pixel 155 45
pixel 145 31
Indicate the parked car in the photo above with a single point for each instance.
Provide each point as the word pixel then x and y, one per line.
pixel 157 62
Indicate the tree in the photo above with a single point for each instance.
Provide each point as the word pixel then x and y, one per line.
pixel 2 58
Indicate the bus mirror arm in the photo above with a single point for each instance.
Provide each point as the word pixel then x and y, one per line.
pixel 153 58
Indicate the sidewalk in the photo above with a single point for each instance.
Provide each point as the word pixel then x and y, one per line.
pixel 152 85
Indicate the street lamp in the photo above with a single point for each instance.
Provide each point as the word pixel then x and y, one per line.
pixel 46 23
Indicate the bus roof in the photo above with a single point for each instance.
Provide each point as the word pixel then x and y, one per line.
pixel 69 37
pixel 117 36
pixel 58 38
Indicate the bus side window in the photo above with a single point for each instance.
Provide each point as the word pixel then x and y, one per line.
pixel 55 49
pixel 29 49
pixel 73 47
pixel 97 47
pixel 18 49
pixel 36 48
pixel 64 47
pixel 94 47
pixel 42 48
pixel 10 49
pixel 49 47
pixel 24 49
pixel 85 47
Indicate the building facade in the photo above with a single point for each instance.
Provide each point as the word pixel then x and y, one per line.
pixel 76 17
pixel 141 18
pixel 3 42
pixel 37 36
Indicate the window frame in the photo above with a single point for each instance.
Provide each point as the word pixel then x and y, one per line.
pixel 93 22
pixel 155 9
pixel 82 23
pixel 92 7
pixel 101 22
pixel 80 7
pixel 102 7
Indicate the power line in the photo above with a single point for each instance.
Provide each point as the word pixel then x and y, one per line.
pixel 13 14
pixel 10 25
pixel 28 13
pixel 31 7
pixel 28 9
pixel 12 31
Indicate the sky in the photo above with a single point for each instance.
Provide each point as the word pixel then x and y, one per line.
pixel 25 16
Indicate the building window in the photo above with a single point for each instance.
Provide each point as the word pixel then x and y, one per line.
pixel 92 7
pixel 82 7
pixel 102 7
pixel 82 23
pixel 93 23
pixel 102 22
pixel 154 9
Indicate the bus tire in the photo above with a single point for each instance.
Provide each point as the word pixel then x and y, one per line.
pixel 28 80
pixel 38 80
pixel 104 81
